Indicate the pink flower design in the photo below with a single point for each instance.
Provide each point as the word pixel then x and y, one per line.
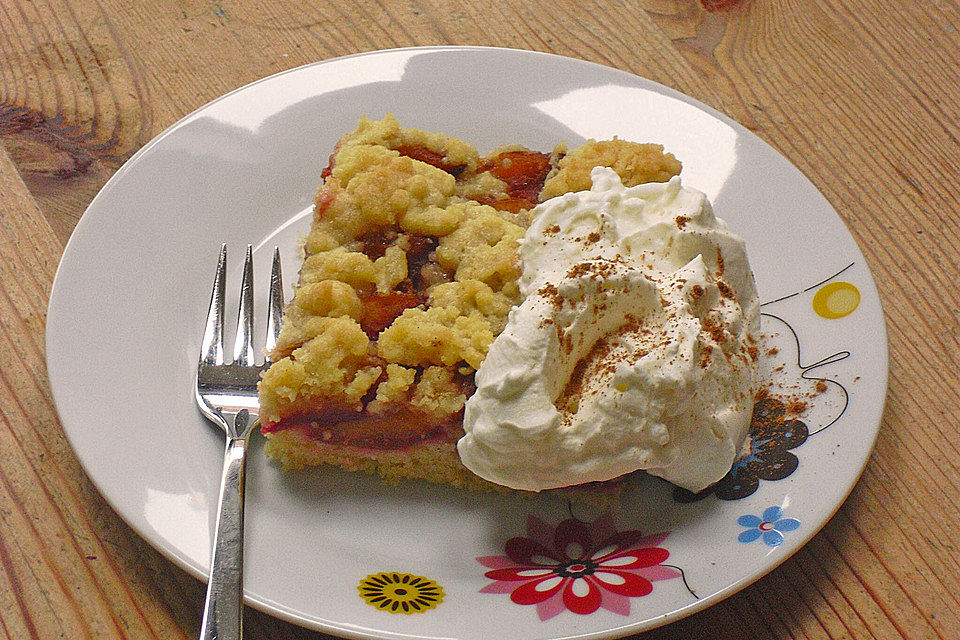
pixel 578 566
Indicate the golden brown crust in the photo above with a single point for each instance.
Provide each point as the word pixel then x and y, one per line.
pixel 635 163
pixel 434 461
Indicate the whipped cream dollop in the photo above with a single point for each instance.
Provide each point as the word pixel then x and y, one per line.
pixel 635 346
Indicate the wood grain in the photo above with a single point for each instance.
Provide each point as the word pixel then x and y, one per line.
pixel 862 95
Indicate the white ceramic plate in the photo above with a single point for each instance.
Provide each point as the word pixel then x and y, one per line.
pixel 129 298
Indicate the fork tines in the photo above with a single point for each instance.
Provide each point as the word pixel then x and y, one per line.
pixel 243 351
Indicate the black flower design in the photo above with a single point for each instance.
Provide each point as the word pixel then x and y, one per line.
pixel 771 438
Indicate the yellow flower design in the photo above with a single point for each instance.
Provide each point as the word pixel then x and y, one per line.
pixel 836 300
pixel 400 592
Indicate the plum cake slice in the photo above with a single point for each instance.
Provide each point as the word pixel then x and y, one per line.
pixel 410 269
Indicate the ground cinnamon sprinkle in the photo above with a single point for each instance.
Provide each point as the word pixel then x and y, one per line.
pixel 768 415
pixel 754 353
pixel 821 386
pixel 594 269
pixel 725 289
pixel 563 337
pixel 697 292
pixel 682 221
pixel 552 294
pixel 772 352
pixel 705 361
pixel 715 330
pixel 796 406
pixel 579 269
pixel 586 368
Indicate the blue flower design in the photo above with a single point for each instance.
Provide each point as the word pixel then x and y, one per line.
pixel 770 526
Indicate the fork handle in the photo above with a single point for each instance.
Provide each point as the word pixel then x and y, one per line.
pixel 223 610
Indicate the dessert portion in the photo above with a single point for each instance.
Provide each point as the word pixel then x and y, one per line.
pixel 411 268
pixel 635 346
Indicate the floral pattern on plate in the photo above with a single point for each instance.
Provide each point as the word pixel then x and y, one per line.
pixel 578 566
pixel 400 592
pixel 772 435
pixel 770 526
pixel 835 300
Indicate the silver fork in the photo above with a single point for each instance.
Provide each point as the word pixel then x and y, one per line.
pixel 227 395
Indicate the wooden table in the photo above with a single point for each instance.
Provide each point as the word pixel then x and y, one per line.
pixel 862 95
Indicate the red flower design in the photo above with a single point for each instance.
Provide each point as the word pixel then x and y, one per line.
pixel 578 566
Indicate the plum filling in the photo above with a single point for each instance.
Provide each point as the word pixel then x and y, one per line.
pixel 397 427
pixel 524 172
pixel 388 431
pixel 419 254
pixel 423 154
pixel 379 310
pixel 374 244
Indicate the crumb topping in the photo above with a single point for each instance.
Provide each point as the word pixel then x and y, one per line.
pixel 411 266
pixel 634 162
